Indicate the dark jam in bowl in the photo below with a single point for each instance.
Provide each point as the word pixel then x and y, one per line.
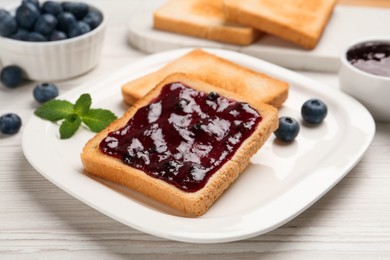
pixel 371 57
pixel 183 136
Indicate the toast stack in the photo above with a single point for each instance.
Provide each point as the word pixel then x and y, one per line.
pixel 241 22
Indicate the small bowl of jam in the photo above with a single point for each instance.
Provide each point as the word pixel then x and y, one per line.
pixel 365 74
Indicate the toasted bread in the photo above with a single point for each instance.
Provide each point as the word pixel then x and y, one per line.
pixel 202 19
pixel 298 21
pixel 194 203
pixel 215 71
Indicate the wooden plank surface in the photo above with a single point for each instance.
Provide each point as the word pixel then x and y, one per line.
pixel 40 221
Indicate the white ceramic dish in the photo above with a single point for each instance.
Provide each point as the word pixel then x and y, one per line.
pixel 57 60
pixel 340 30
pixel 281 181
pixel 371 90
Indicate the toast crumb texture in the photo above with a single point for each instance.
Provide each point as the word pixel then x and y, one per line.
pixel 202 19
pixel 217 72
pixel 192 204
pixel 298 21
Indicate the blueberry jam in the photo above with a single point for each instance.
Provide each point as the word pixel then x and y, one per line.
pixel 371 57
pixel 183 136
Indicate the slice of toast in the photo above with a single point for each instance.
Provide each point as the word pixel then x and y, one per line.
pixel 173 143
pixel 215 71
pixel 202 19
pixel 298 21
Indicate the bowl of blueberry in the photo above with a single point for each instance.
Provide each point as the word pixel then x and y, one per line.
pixel 51 40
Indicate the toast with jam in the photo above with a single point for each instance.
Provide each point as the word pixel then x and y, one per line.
pixel 182 144
pixel 202 19
pixel 216 71
pixel 298 21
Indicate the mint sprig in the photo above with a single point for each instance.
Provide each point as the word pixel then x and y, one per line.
pixel 73 115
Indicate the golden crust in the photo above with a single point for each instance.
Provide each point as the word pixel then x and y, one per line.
pixel 202 19
pixel 192 204
pixel 216 71
pixel 298 21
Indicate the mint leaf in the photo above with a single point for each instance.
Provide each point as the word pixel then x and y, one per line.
pixel 74 115
pixel 55 110
pixel 83 104
pixel 69 126
pixel 98 119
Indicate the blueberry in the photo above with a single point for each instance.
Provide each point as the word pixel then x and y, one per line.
pixel 78 29
pixel 8 25
pixel 152 149
pixel 93 19
pixel 36 37
pixel 10 123
pixel 84 27
pixel 79 10
pixel 196 127
pixel 57 36
pixel 44 92
pixel 181 104
pixel 74 31
pixel 21 35
pixel 52 7
pixel 65 21
pixel 128 159
pixel 45 24
pixel 168 167
pixel 3 12
pixel 288 129
pixel 314 111
pixel 26 15
pixel 11 76
pixel 34 2
pixel 212 96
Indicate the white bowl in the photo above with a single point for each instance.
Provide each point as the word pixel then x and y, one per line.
pixel 56 60
pixel 371 90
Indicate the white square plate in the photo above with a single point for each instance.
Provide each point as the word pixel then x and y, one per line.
pixel 280 182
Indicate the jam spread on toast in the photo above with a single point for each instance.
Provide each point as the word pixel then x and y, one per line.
pixel 183 136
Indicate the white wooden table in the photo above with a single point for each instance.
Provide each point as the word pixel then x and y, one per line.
pixel 40 221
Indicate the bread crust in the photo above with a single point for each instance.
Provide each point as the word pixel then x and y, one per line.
pixel 202 19
pixel 298 21
pixel 195 203
pixel 216 71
